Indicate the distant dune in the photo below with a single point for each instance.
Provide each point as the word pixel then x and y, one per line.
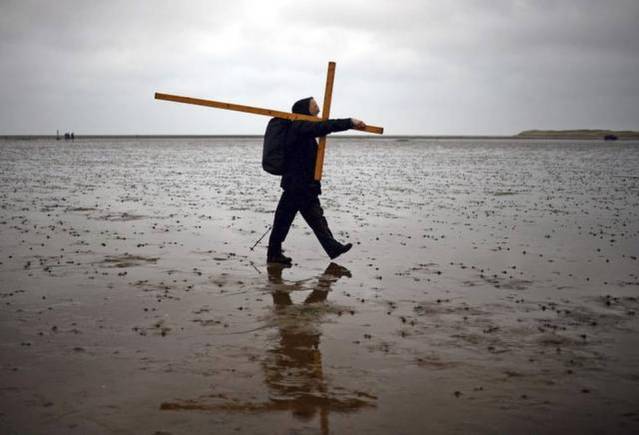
pixel 578 134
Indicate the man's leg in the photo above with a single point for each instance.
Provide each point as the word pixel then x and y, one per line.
pixel 314 215
pixel 284 214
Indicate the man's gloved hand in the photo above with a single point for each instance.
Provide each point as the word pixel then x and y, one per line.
pixel 357 123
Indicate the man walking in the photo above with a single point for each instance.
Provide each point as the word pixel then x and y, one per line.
pixel 301 190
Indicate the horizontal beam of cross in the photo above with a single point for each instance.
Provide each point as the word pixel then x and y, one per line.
pixel 254 110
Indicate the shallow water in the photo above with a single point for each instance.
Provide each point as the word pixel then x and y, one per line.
pixel 493 288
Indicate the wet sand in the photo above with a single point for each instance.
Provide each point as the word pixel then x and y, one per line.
pixel 493 287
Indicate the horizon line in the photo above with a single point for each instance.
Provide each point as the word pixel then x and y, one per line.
pixel 248 135
pixel 532 134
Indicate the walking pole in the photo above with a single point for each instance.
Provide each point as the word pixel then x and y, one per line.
pixel 260 239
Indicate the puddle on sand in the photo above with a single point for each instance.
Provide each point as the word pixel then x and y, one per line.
pixel 127 260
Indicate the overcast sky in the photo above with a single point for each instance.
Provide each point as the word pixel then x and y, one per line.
pixel 414 67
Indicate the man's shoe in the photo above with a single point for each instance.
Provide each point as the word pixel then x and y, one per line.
pixel 274 255
pixel 278 258
pixel 339 251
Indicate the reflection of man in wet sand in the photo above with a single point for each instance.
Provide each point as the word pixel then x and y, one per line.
pixel 293 366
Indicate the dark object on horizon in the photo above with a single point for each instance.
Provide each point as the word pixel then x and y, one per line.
pixel 57 135
pixel 68 136
pixel 583 134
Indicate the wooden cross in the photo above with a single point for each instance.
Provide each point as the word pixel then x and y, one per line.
pixel 328 95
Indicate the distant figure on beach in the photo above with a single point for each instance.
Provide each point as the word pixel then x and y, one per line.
pixel 301 190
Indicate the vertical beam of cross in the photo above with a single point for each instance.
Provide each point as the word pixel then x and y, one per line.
pixel 326 111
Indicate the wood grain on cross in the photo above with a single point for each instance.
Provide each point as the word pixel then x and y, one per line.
pixel 326 110
pixel 252 109
pixel 328 94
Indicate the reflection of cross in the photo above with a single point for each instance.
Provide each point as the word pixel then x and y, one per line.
pixel 293 366
pixel 328 95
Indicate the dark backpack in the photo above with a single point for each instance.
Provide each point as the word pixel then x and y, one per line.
pixel 274 143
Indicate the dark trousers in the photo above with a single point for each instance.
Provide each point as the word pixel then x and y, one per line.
pixel 308 205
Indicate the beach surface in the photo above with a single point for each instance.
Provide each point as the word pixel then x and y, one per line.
pixel 493 287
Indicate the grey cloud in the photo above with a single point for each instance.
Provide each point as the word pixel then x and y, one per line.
pixel 413 66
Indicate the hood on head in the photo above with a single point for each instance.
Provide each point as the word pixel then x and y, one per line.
pixel 302 106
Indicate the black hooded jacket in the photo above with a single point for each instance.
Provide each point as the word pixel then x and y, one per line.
pixel 301 149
